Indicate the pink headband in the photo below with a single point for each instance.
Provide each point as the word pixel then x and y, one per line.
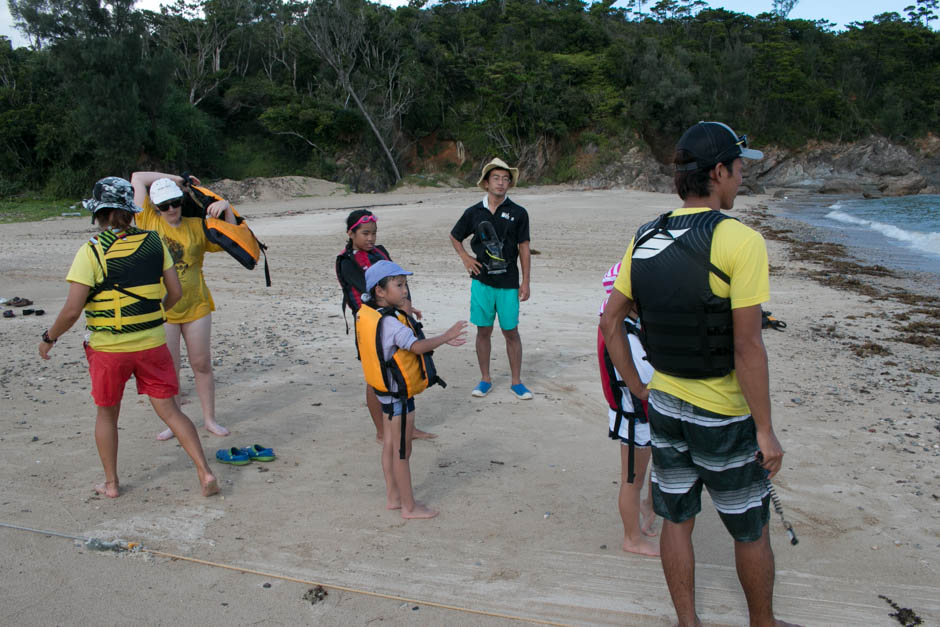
pixel 363 220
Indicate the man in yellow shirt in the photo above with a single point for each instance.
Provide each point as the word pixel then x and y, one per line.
pixel 698 278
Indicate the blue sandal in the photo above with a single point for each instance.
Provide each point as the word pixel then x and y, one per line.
pixel 258 453
pixel 233 456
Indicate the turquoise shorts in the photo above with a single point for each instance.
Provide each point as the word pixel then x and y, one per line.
pixel 487 301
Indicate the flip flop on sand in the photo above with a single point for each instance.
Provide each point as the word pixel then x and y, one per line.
pixel 9 314
pixel 258 453
pixel 232 456
pixel 19 302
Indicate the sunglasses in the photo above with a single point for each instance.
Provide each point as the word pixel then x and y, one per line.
pixel 363 220
pixel 170 205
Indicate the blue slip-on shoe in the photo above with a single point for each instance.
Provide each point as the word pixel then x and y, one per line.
pixel 482 389
pixel 521 392
pixel 233 456
pixel 258 453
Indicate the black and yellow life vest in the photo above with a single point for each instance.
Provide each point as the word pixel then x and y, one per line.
pixel 687 329
pixel 412 373
pixel 130 298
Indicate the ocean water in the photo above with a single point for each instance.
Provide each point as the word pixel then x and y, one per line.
pixel 901 232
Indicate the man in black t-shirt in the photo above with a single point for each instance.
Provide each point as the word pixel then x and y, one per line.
pixel 500 230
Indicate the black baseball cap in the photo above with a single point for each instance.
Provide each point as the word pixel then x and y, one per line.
pixel 711 143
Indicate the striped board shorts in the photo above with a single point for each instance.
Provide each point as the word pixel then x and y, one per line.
pixel 693 447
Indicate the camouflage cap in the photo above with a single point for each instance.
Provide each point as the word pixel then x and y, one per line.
pixel 112 192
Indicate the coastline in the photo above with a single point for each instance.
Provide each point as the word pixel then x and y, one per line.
pixel 527 489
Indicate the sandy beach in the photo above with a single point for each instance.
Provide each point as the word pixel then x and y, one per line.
pixel 527 489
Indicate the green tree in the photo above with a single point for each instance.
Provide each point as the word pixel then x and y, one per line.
pixel 925 10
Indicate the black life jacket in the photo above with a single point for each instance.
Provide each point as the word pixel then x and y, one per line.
pixel 352 297
pixel 130 298
pixel 687 330
pixel 614 388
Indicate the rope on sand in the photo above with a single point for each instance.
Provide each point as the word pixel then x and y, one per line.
pixel 94 543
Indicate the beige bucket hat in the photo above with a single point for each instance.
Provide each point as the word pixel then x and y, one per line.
pixel 498 164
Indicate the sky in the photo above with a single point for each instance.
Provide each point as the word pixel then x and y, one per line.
pixel 841 12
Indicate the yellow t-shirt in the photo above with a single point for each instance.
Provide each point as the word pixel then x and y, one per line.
pixel 740 252
pixel 87 271
pixel 188 245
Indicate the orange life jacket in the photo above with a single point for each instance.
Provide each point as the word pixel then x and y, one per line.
pixel 236 239
pixel 412 373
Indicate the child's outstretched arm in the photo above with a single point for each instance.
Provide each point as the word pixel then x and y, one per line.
pixel 455 336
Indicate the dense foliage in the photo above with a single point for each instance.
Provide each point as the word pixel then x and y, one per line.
pixel 343 89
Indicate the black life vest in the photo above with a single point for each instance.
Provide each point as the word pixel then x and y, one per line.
pixel 352 296
pixel 687 330
pixel 130 298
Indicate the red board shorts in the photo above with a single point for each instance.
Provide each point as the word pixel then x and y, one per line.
pixel 153 368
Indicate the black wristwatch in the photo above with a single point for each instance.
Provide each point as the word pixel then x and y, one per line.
pixel 47 339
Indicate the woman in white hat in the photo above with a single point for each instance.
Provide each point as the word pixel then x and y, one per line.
pixel 191 318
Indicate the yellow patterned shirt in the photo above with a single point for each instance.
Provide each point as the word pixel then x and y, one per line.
pixel 188 245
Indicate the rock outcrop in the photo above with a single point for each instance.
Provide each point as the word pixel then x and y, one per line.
pixel 872 167
pixel 636 169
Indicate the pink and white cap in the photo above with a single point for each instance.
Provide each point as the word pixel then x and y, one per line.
pixel 608 282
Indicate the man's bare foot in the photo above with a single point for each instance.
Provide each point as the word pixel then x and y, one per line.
pixel 392 505
pixel 643 546
pixel 647 521
pixel 419 511
pixel 165 435
pixel 109 489
pixel 423 435
pixel 216 429
pixel 209 485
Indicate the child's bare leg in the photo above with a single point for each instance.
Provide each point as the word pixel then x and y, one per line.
pixel 174 336
pixel 401 470
pixel 375 410
pixel 389 452
pixel 106 438
pixel 647 515
pixel 634 540
pixel 418 434
pixel 198 337
pixel 182 427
